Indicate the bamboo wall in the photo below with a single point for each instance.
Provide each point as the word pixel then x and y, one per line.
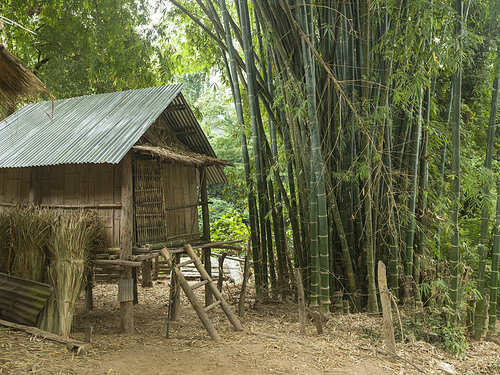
pixel 166 199
pixel 174 201
pixel 181 203
pixel 68 186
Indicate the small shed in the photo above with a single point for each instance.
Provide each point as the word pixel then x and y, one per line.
pixel 72 156
pixel 138 157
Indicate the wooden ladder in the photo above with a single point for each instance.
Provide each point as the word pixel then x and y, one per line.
pixel 205 280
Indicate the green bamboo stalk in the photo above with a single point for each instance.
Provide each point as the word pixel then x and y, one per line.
pixel 244 149
pixel 441 174
pixel 494 265
pixel 415 146
pixel 318 205
pixel 456 82
pixel 480 325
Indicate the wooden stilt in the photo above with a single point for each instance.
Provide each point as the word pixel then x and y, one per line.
pixel 207 252
pixel 89 299
pixel 220 280
pixel 136 294
pixel 175 313
pixel 126 298
pixel 301 301
pixel 146 274
pixel 241 304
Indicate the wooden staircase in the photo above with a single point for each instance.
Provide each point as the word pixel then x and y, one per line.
pixel 205 281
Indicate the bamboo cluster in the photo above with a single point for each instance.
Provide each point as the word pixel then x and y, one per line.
pixel 340 98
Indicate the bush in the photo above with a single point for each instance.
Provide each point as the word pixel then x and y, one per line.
pixel 230 227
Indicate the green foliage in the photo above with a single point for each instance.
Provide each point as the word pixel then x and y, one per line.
pixel 86 47
pixel 454 340
pixel 432 328
pixel 230 227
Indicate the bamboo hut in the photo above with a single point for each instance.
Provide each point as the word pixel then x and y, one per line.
pixel 138 157
pixel 16 82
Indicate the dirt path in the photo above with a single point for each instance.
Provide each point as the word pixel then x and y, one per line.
pixel 343 348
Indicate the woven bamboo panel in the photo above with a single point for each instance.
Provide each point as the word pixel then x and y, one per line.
pixel 181 201
pixel 148 202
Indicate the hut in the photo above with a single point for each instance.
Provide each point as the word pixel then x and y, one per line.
pixel 138 157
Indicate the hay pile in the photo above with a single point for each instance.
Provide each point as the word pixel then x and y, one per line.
pixel 53 247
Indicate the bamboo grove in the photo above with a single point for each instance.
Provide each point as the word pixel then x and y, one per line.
pixel 350 117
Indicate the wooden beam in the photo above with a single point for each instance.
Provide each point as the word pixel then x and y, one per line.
pixel 126 233
pixel 110 206
pixel 175 108
pixel 34 186
pixel 186 134
pixel 206 231
pixel 117 262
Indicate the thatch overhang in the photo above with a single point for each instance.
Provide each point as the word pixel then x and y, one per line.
pixel 172 155
pixel 16 81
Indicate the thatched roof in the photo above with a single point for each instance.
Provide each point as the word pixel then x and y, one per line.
pixel 16 81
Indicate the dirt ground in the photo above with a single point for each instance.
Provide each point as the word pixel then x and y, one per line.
pixel 343 348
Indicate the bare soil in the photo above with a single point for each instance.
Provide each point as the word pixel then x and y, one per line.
pixel 349 344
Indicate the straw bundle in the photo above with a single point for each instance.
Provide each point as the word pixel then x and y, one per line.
pixel 50 246
pixel 23 242
pixel 73 236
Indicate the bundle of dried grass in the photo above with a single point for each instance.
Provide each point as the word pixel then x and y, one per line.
pixel 23 242
pixel 50 246
pixel 73 236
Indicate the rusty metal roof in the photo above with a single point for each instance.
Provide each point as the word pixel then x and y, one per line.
pixel 97 128
pixel 21 300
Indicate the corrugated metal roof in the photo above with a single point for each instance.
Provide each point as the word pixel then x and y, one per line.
pixel 96 128
pixel 21 299
pixel 89 129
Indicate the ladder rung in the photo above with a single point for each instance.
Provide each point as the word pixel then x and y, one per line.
pixel 201 283
pixel 185 263
pixel 212 306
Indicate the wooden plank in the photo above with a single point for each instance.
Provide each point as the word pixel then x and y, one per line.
pixel 56 196
pixel 104 195
pixel 2 181
pixel 43 177
pixel 91 184
pixel 72 188
pixel 12 189
pixel 57 177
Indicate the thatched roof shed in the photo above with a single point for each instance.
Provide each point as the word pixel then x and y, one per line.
pixel 16 81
